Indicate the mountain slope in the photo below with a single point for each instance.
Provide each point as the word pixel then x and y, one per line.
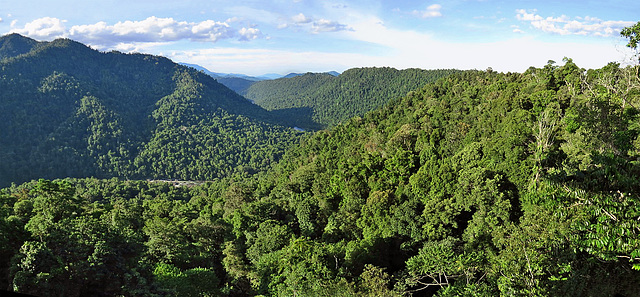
pixel 74 111
pixel 14 45
pixel 318 100
pixel 237 84
pixel 480 184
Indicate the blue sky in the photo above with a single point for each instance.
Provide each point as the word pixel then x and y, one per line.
pixel 281 36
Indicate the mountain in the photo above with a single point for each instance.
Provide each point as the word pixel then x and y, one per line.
pixel 291 75
pixel 14 45
pixel 230 75
pixel 73 111
pixel 240 83
pixel 236 82
pixel 318 100
pixel 269 76
pixel 478 184
pixel 200 68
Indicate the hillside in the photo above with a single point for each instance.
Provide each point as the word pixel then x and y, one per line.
pixel 318 100
pixel 236 82
pixel 479 184
pixel 14 45
pixel 71 111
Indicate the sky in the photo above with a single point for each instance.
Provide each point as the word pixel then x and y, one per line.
pixel 256 37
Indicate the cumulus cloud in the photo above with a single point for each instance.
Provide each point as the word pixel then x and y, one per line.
pixel 44 28
pixel 301 19
pixel 125 34
pixel 247 34
pixel 565 25
pixel 315 25
pixel 432 11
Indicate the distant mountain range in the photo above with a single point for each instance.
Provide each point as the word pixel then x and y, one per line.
pixel 268 76
pixel 241 82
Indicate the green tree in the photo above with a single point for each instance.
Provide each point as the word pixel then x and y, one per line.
pixel 633 34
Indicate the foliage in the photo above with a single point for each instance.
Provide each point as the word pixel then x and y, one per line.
pixel 633 34
pixel 319 100
pixel 478 184
pixel 71 111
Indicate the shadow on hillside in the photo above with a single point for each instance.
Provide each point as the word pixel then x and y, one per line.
pixel 300 117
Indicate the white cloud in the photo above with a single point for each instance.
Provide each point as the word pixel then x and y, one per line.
pixel 247 34
pixel 432 11
pixel 138 47
pixel 516 29
pixel 564 25
pixel 323 25
pixel 152 29
pixel 1 20
pixel 133 34
pixel 301 19
pixel 46 28
pixel 209 31
pixel 406 49
pixel 261 61
pixel 315 25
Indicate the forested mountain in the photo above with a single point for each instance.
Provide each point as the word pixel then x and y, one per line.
pixel 14 45
pixel 319 100
pixel 71 111
pixel 480 184
pixel 293 74
pixel 237 82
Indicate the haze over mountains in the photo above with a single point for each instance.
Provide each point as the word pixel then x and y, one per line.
pixel 241 82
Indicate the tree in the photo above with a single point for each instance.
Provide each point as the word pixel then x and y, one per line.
pixel 633 33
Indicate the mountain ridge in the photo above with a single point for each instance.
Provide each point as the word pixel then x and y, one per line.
pixel 114 114
pixel 319 100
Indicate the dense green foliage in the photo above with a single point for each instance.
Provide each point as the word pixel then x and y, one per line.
pixel 14 45
pixel 70 111
pixel 480 184
pixel 633 34
pixel 318 100
pixel 237 84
